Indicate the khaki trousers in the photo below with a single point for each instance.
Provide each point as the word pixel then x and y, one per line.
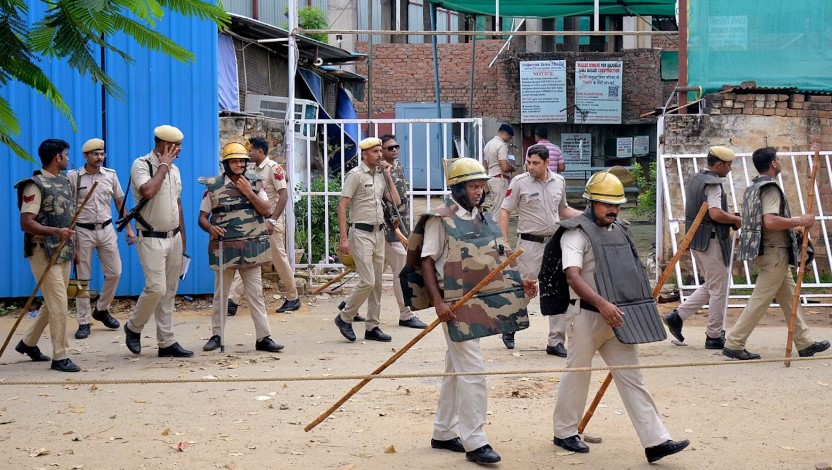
pixel 588 333
pixel 463 400
pixel 529 265
pixel 105 242
pixel 251 279
pixel 54 310
pixel 161 260
pixel 395 256
pixel 775 281
pixel 497 187
pixel 713 292
pixel 280 260
pixel 368 252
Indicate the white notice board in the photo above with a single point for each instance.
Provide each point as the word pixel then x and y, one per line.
pixel 641 145
pixel 598 92
pixel 543 91
pixel 577 154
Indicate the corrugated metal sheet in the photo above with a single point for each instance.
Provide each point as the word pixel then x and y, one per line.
pixel 159 90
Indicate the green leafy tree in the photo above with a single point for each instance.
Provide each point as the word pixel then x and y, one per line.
pixel 311 18
pixel 73 30
pixel 646 183
pixel 318 216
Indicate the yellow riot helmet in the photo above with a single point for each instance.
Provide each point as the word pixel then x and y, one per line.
pixel 605 187
pixel 233 150
pixel 466 169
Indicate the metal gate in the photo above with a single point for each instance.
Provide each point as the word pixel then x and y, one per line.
pixel 317 189
pixel 794 179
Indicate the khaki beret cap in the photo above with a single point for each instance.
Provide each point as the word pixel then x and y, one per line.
pixel 723 153
pixel 369 143
pixel 92 145
pixel 168 133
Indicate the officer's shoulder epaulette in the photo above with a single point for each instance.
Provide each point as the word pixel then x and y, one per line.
pixel 106 170
pixel 208 180
pixel 558 175
pixel 521 176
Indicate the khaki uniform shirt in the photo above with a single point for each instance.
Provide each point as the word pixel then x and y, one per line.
pixel 494 151
pixel 99 208
pixel 771 205
pixel 162 212
pixel 273 178
pixel 435 242
pixel 537 203
pixel 365 190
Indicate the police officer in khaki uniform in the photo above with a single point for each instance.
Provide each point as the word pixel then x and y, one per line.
pixel 592 319
pixel 362 192
pixel 236 206
pixel 539 197
pixel 46 210
pixel 274 180
pixel 95 231
pixel 395 253
pixel 161 244
pixel 495 156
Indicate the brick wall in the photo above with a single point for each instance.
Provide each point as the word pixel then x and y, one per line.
pixel 404 73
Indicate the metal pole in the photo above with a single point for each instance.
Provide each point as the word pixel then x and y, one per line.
pixel 370 70
pixel 289 133
pixel 596 15
pixel 436 73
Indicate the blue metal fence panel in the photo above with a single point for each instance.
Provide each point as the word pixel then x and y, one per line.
pixel 159 90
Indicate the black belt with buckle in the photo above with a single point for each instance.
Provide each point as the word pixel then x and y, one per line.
pixel 368 227
pixel 584 305
pixel 535 238
pixel 155 234
pixel 95 226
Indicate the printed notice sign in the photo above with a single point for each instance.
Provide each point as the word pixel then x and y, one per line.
pixel 543 91
pixel 641 145
pixel 598 92
pixel 623 147
pixel 577 154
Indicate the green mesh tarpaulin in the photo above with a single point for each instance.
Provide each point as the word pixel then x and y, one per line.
pixel 775 43
pixel 555 8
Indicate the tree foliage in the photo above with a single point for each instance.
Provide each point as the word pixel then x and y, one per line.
pixel 75 30
pixel 311 18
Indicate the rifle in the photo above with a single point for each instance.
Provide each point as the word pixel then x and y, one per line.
pixel 123 220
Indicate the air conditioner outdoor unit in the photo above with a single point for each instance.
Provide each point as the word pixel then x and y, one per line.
pixel 275 107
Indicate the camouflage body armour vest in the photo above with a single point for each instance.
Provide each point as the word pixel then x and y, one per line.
pixel 621 278
pixel 246 241
pixel 473 252
pixel 695 196
pixel 751 237
pixel 56 210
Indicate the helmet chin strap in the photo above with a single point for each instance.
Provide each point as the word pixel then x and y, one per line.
pixel 226 169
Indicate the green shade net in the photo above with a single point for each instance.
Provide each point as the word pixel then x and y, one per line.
pixel 776 44
pixel 555 8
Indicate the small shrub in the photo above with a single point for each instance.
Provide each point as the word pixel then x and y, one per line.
pixel 646 184
pixel 318 215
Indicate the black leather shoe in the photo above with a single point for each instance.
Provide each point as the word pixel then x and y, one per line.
pixel 484 454
pixel 674 325
pixel 32 351
pixel 175 350
pixel 266 344
pixel 132 340
pixel 212 344
pixel 715 343
pixel 816 347
pixel 104 317
pixel 358 318
pixel 413 322
pixel 377 335
pixel 345 328
pixel 743 355
pixel 664 449
pixel 83 332
pixel 289 306
pixel 65 365
pixel 453 445
pixel 508 340
pixel 574 443
pixel 232 308
pixel 556 350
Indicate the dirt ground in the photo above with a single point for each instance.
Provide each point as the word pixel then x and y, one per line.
pixel 741 416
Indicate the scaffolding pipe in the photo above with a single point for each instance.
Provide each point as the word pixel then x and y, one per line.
pixel 385 32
